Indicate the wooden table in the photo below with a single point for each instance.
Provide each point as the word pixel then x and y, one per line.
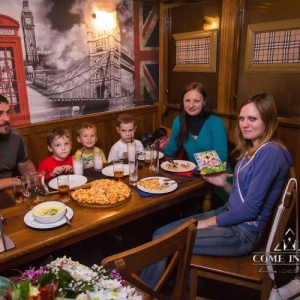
pixel 33 243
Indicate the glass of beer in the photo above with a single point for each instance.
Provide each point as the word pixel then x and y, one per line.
pixel 19 187
pixel 147 157
pixel 118 168
pixel 63 188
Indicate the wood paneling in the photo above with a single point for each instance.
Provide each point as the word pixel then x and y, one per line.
pixel 35 134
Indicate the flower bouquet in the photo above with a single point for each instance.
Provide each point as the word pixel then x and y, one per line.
pixel 65 278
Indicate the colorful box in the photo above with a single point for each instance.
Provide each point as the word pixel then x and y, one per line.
pixel 209 162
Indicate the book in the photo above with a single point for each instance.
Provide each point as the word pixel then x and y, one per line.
pixel 209 162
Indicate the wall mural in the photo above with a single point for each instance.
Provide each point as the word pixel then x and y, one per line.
pixel 79 56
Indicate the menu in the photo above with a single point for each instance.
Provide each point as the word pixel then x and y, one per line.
pixel 209 162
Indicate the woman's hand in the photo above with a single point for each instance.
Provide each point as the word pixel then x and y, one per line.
pixel 210 222
pixel 217 179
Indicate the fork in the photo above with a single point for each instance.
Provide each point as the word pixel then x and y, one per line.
pixel 172 162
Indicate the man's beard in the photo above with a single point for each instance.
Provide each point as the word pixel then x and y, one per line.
pixel 6 130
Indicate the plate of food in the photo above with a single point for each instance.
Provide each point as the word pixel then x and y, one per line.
pixel 103 193
pixel 157 185
pixel 109 170
pixel 74 181
pixel 32 222
pixel 178 166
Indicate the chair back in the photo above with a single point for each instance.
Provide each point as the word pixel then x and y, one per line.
pixel 176 245
pixel 284 208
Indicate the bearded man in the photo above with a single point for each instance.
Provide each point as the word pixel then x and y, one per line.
pixel 14 158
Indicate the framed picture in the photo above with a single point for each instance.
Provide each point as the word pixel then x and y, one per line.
pixel 273 47
pixel 196 51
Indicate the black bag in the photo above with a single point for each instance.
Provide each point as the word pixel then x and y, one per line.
pixel 147 139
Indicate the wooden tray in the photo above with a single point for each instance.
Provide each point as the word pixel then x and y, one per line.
pixel 100 206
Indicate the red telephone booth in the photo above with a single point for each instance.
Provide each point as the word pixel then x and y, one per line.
pixel 12 70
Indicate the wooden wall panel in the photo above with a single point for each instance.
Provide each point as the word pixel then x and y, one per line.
pixel 35 134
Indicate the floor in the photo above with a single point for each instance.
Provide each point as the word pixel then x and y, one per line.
pixel 93 250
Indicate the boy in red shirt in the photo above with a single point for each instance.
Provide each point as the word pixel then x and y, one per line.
pixel 60 162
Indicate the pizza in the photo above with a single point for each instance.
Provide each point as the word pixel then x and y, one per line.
pixel 102 192
pixel 153 184
pixel 170 166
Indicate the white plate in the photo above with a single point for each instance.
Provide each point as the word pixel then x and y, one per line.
pixel 74 180
pixel 142 156
pixel 172 185
pixel 31 222
pixel 109 170
pixel 191 167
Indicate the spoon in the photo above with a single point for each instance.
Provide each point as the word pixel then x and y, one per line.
pixel 67 219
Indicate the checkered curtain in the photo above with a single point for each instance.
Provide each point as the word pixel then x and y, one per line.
pixel 194 51
pixel 277 47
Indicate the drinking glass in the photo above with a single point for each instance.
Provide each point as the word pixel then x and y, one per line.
pixel 19 187
pixel 63 188
pixel 77 165
pixel 98 163
pixel 147 157
pixel 154 161
pixel 118 166
pixel 133 172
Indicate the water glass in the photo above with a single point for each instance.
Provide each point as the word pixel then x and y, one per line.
pixel 133 172
pixel 98 163
pixel 63 188
pixel 77 165
pixel 131 151
pixel 118 166
pixel 154 161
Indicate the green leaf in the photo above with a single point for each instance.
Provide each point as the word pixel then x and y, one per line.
pixel 45 279
pixel 24 289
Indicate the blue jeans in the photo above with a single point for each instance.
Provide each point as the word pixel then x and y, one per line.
pixel 233 240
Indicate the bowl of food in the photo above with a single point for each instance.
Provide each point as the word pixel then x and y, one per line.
pixel 49 212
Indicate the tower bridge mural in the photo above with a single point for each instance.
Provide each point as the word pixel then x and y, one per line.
pixel 84 69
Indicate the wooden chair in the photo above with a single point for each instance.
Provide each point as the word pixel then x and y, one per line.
pixel 241 270
pixel 176 245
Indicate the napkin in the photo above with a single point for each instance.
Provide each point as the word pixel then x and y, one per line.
pixel 143 194
pixel 186 174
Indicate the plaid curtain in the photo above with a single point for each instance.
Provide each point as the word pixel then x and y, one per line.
pixel 277 47
pixel 194 51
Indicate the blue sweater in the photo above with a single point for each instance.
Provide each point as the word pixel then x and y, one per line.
pixel 213 136
pixel 261 180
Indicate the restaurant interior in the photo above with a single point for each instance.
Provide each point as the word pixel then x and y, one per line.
pixel 236 48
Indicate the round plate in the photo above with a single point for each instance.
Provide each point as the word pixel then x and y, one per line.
pixel 102 205
pixel 142 156
pixel 31 222
pixel 172 185
pixel 191 166
pixel 74 181
pixel 109 170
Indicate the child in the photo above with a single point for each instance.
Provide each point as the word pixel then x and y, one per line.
pixel 87 136
pixel 126 127
pixel 60 162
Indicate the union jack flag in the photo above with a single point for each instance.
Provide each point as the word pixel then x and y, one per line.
pixel 146 47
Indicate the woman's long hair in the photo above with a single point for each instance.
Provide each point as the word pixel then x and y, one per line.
pixel 206 111
pixel 268 112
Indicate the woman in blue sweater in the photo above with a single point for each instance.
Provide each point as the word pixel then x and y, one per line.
pixel 236 228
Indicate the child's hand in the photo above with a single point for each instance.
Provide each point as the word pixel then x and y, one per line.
pixel 57 171
pixel 125 155
pixel 67 169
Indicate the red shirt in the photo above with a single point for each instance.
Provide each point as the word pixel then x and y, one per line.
pixel 49 163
